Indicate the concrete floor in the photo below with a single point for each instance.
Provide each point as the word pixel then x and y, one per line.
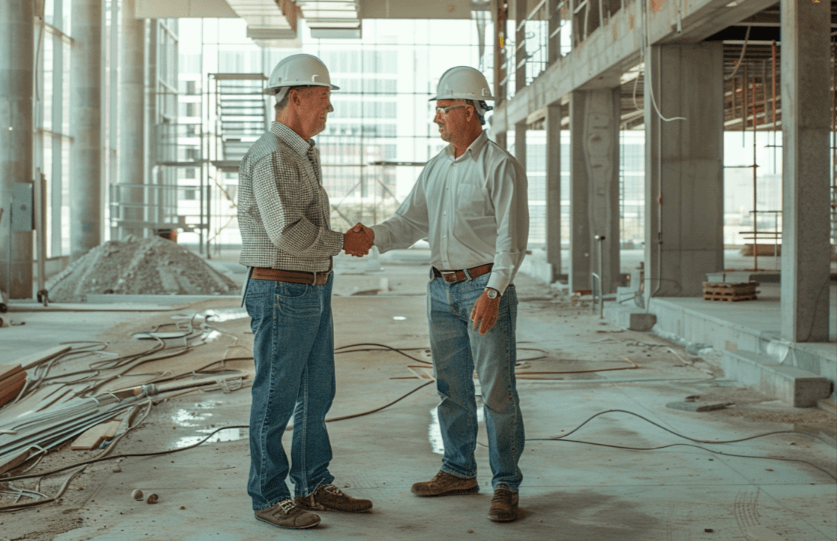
pixel 571 491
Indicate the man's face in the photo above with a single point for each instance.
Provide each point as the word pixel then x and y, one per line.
pixel 315 105
pixel 452 124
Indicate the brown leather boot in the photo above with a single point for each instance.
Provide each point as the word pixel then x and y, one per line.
pixel 446 484
pixel 286 515
pixel 503 505
pixel 330 498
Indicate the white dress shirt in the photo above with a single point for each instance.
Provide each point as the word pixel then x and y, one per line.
pixel 473 210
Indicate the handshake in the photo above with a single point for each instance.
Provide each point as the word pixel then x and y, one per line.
pixel 358 240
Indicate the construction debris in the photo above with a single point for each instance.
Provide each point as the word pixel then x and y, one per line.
pixel 93 404
pixel 149 266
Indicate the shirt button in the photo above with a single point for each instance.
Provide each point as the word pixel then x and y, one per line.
pixel 445 213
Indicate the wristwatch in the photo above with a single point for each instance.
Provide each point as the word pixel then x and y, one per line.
pixel 492 293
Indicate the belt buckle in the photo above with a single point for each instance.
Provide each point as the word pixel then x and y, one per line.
pixel 445 275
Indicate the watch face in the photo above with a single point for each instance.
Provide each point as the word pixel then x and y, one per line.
pixel 492 293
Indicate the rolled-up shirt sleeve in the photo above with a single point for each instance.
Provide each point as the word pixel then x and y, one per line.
pixel 508 189
pixel 409 224
pixel 283 206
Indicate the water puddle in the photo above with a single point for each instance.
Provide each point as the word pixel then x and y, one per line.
pixel 210 336
pixel 200 415
pixel 224 314
pixel 227 434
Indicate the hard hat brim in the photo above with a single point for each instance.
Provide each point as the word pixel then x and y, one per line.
pixel 275 89
pixel 474 98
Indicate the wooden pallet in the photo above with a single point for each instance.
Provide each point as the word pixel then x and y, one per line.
pixel 726 291
pixel 728 297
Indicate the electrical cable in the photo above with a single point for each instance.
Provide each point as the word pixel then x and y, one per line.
pixel 204 440
pixel 564 438
pixel 698 447
pixel 740 58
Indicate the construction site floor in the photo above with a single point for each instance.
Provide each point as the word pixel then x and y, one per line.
pixel 618 388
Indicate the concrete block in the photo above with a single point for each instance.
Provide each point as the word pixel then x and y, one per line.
pixel 640 321
pixel 792 385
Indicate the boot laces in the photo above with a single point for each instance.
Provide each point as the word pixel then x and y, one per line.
pixel 332 489
pixel 287 506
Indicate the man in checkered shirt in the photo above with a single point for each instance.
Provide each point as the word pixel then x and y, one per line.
pixel 288 244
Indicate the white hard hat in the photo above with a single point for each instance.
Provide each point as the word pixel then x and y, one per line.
pixel 298 70
pixel 463 83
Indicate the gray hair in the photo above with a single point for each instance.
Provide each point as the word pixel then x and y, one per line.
pixel 283 96
pixel 480 107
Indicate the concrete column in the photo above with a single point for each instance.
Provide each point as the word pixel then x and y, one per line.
pixel 157 196
pixel 16 91
pixel 520 143
pixel 520 52
pixel 553 188
pixel 594 187
pixel 806 117
pixel 684 182
pixel 86 126
pixel 553 43
pixel 56 176
pixel 500 22
pixel 131 122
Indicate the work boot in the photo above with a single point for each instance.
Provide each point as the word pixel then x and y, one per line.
pixel 503 505
pixel 446 484
pixel 330 498
pixel 286 515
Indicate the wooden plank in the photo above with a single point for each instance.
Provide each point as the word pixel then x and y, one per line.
pixel 35 359
pixel 7 394
pixel 8 370
pixel 12 380
pixel 93 437
pixel 15 462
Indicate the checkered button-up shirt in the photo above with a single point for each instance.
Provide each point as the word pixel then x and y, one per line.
pixel 283 210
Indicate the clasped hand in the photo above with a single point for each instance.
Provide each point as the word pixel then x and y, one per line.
pixel 358 240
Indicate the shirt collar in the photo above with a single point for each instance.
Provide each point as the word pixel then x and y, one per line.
pixel 292 138
pixel 473 149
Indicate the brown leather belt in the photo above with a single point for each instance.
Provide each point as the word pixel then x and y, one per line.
pixel 454 276
pixel 295 277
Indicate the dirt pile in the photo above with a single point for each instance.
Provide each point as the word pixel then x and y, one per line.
pixel 150 266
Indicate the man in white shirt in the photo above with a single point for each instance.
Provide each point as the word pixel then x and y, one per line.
pixel 470 203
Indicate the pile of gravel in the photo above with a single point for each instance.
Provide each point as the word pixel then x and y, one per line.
pixel 149 266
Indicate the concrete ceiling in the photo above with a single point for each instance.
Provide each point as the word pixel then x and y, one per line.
pixel 273 20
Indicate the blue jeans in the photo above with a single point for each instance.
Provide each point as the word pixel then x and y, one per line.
pixel 293 349
pixel 457 350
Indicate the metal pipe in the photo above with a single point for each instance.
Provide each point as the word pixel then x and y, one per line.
pixel 773 55
pixel 600 239
pixel 755 188
pixel 40 225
